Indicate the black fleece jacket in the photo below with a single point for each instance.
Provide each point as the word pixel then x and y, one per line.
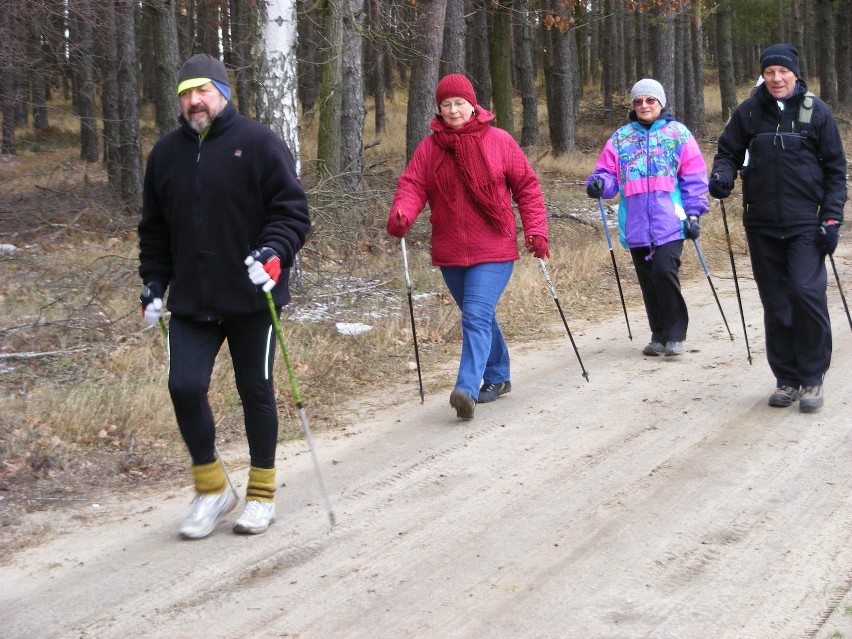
pixel 792 182
pixel 208 203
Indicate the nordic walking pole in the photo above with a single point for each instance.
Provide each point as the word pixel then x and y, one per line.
pixel 840 288
pixel 564 321
pixel 712 288
pixel 165 332
pixel 736 283
pixel 411 313
pixel 297 396
pixel 614 266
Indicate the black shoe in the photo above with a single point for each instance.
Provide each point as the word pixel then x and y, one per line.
pixel 490 392
pixel 463 402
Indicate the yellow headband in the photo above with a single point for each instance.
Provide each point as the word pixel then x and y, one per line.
pixel 192 83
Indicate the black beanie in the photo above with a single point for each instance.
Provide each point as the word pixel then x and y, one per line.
pixel 780 55
pixel 203 65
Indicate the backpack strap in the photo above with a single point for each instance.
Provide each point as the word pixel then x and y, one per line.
pixel 806 110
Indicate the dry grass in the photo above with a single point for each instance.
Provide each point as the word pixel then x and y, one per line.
pixel 97 412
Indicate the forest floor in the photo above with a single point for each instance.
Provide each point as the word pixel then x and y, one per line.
pixel 662 498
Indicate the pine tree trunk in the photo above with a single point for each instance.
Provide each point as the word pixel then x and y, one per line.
pixel 130 147
pixel 352 112
pixel 166 64
pixel 455 29
pixel 477 56
pixel 725 56
pixel 525 72
pixel 427 44
pixel 331 95
pixel 501 66
pixel 825 59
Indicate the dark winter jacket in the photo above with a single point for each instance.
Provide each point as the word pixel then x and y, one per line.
pixel 208 203
pixel 791 182
pixel 461 234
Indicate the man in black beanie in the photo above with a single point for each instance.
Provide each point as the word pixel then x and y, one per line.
pixel 221 193
pixel 794 190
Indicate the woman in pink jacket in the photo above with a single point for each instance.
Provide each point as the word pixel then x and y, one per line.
pixel 469 172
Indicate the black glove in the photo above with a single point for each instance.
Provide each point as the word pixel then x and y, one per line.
pixel 829 234
pixel 720 186
pixel 151 301
pixel 691 228
pixel 595 187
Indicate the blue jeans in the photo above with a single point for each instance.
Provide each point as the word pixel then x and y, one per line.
pixel 476 290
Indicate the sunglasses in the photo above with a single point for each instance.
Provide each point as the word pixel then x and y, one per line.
pixel 649 101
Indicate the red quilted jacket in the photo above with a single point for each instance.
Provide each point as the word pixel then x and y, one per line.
pixel 461 234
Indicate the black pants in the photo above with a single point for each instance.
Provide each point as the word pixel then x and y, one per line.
pixel 791 280
pixel 657 271
pixel 193 347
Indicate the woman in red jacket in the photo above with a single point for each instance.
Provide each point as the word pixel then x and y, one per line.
pixel 469 172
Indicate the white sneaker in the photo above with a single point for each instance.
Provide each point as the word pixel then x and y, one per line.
pixel 256 517
pixel 206 510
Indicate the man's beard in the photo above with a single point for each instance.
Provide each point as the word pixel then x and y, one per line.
pixel 199 124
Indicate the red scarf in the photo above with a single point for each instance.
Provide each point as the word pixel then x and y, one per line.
pixel 464 146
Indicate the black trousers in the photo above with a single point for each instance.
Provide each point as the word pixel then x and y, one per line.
pixel 657 271
pixel 193 347
pixel 791 280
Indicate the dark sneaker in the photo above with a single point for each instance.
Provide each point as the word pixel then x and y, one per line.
pixel 810 400
pixel 654 349
pixel 490 392
pixel 463 402
pixel 784 396
pixel 673 349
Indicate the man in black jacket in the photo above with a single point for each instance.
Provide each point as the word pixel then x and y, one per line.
pixel 794 190
pixel 218 190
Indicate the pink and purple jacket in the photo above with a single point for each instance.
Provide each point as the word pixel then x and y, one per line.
pixel 661 177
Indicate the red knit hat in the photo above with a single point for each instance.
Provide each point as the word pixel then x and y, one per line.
pixel 455 85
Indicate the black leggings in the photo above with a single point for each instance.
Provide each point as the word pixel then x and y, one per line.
pixel 193 346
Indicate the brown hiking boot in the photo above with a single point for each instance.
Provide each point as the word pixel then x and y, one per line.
pixel 783 396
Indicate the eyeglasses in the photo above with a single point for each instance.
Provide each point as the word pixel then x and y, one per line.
pixel 649 101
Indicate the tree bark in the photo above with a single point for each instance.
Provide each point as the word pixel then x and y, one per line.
pixel 455 29
pixel 525 72
pixel 166 63
pixel 725 56
pixel 477 56
pixel 427 43
pixel 130 147
pixel 825 59
pixel 331 95
pixel 501 65
pixel 352 112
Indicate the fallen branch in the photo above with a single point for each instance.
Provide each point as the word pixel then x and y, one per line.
pixel 76 349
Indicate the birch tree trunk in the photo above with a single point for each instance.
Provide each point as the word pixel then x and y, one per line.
pixel 276 99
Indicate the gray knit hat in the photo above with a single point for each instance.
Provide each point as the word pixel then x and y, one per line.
pixel 650 88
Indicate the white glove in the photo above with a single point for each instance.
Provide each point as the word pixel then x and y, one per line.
pixel 153 312
pixel 258 275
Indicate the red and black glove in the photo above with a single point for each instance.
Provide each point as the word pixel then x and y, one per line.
pixel 264 267
pixel 537 245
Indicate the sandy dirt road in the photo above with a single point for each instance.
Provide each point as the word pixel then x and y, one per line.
pixel 662 499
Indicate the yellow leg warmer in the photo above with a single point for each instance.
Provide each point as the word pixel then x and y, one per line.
pixel 261 484
pixel 210 479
